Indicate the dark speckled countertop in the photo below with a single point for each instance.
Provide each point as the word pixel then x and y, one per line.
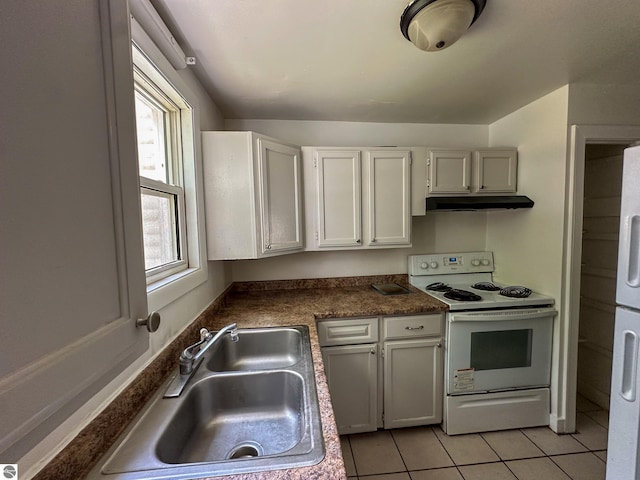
pixel 252 304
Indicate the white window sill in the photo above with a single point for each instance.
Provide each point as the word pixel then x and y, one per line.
pixel 163 292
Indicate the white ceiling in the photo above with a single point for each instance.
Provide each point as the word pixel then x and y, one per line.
pixel 347 59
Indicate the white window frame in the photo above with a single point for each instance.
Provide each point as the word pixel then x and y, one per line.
pixel 166 287
pixel 174 108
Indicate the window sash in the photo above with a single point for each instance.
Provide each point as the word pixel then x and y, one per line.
pixel 154 187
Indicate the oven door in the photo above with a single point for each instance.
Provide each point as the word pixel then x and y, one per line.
pixel 499 350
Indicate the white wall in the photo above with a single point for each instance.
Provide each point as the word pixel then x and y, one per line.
pixel 592 104
pixel 437 232
pixel 528 245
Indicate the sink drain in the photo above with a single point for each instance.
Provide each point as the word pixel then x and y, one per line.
pixel 246 450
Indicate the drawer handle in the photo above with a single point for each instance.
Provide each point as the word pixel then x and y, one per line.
pixel 414 328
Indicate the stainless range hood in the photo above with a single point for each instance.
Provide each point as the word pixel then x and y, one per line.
pixel 478 202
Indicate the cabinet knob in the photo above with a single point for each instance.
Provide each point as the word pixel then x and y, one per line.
pixel 414 328
pixel 152 322
pixel 373 240
pixel 268 246
pixel 358 241
pixel 439 345
pixel 372 351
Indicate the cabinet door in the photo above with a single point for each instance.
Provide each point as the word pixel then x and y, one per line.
pixel 352 374
pixel 495 171
pixel 449 171
pixel 412 382
pixel 389 184
pixel 280 197
pixel 339 198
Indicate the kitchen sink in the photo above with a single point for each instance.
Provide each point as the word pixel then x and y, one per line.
pixel 257 349
pixel 238 415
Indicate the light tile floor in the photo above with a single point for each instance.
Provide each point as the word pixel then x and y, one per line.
pixel 427 453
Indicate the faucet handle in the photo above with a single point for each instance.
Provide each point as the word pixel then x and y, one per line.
pixel 204 334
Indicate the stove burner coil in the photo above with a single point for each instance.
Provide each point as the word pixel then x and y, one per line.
pixel 486 286
pixel 462 295
pixel 438 287
pixel 515 292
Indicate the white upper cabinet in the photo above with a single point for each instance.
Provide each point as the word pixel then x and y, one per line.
pixel 449 171
pixel 253 196
pixel 482 171
pixel 495 171
pixel 357 198
pixel 339 198
pixel 389 182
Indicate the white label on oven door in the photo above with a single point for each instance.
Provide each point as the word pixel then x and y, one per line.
pixel 463 380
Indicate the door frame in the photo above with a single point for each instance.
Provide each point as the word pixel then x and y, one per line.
pixel 581 135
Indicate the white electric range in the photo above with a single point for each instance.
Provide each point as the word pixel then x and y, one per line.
pixel 498 343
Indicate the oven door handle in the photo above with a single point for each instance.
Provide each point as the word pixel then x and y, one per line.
pixel 502 315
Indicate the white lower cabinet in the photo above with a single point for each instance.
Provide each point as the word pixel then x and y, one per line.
pixel 352 373
pixel 393 380
pixel 412 382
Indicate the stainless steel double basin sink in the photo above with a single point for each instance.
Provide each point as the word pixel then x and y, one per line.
pixel 250 406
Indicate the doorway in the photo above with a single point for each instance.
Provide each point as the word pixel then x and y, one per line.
pixel 600 224
pixel 581 137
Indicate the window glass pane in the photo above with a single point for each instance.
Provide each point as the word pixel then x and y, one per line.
pixel 501 349
pixel 159 229
pixel 150 128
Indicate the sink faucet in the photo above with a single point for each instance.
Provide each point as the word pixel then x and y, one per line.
pixel 189 360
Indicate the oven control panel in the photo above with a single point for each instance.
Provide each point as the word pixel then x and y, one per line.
pixel 443 263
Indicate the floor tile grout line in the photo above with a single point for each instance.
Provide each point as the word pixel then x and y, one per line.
pixel 353 457
pixel 443 446
pixel 564 471
pixel 489 445
pixel 565 453
pixel 393 438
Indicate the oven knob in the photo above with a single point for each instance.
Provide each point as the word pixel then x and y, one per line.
pixel 424 265
pixel 475 262
pixel 433 264
pixel 485 262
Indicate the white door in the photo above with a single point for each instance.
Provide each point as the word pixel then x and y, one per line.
pixel 352 374
pixel 624 412
pixel 280 197
pixel 412 382
pixel 339 198
pixel 389 186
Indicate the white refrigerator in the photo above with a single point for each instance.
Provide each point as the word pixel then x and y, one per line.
pixel 623 456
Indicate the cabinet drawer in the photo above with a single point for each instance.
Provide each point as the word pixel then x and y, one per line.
pixel 349 331
pixel 412 326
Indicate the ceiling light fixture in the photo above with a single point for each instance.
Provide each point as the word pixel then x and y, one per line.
pixel 434 25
